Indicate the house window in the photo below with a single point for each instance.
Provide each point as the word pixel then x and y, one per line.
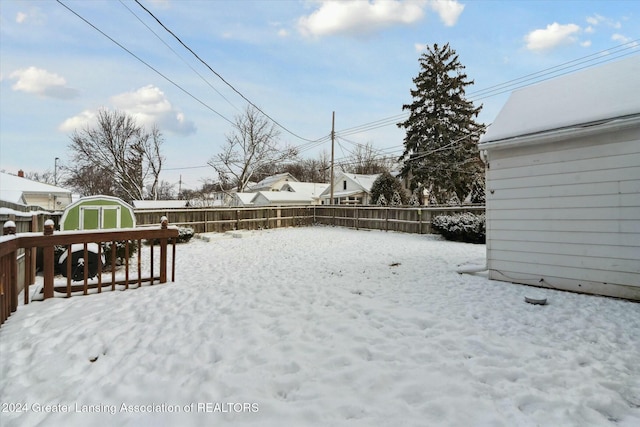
pixel 344 185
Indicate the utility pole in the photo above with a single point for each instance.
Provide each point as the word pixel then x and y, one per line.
pixel 55 171
pixel 333 134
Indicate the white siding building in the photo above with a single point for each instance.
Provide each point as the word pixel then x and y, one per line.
pixel 563 183
pixel 349 189
pixel 20 190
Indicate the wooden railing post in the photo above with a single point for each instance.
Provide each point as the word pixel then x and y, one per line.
pixel 48 266
pixel 164 223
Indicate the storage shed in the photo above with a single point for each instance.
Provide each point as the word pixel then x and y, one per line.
pixel 97 212
pixel 563 183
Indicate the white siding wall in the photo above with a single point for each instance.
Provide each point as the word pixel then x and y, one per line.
pixel 567 214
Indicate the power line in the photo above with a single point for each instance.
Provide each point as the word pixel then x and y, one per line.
pixel 178 55
pixel 560 67
pixel 220 77
pixel 602 56
pixel 144 62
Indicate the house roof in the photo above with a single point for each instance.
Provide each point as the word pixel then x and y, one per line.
pixel 365 182
pixel 270 181
pixel 159 204
pixel 245 198
pixel 282 196
pixel 13 188
pixel 600 93
pixel 313 189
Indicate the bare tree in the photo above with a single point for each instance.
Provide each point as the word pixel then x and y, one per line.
pixel 119 150
pixel 365 160
pixel 46 177
pixel 151 149
pixel 87 181
pixel 164 190
pixel 252 146
pixel 310 170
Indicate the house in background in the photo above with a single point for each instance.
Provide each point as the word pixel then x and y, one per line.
pixel 241 200
pixel 563 183
pixel 280 198
pixel 22 191
pixel 160 204
pixel 272 183
pixel 311 189
pixel 349 189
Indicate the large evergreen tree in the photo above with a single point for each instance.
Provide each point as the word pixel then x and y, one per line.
pixel 441 139
pixel 388 186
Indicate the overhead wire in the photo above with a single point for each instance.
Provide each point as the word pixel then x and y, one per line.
pixel 144 62
pixel 178 55
pixel 387 121
pixel 220 76
pixel 606 55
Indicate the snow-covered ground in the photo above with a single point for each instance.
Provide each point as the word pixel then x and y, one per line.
pixel 323 326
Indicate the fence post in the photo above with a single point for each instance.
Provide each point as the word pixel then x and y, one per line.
pixel 428 221
pixel 9 228
pixel 386 219
pixel 164 223
pixel 48 261
pixel 355 216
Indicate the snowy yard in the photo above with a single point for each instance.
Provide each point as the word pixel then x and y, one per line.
pixel 323 326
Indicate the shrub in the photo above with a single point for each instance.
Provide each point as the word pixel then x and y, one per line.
pixel 184 235
pixel 120 250
pixel 465 227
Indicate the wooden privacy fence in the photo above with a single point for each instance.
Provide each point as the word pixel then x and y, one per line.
pixel 404 219
pixel 206 220
pixel 20 246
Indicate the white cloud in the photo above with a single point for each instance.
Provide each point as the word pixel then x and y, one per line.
pixel 80 121
pixel 149 105
pixel 449 10
pixel 283 33
pixel 595 19
pixel 33 15
pixel 585 43
pixel 554 35
pixel 420 47
pixel 599 19
pixel 21 17
pixel 42 82
pixel 359 17
pixel 620 38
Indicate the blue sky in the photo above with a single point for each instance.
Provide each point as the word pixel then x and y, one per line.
pixel 297 60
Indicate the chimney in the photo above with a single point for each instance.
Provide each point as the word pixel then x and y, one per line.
pixel 21 173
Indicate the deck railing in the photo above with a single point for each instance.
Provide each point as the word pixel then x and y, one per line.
pixel 20 246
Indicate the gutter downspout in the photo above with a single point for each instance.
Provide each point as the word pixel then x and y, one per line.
pixel 472 269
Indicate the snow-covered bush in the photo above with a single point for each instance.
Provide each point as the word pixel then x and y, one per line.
pixel 184 235
pixel 466 227
pixel 120 250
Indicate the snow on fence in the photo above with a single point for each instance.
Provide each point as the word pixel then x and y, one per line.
pixel 15 246
pixel 403 219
